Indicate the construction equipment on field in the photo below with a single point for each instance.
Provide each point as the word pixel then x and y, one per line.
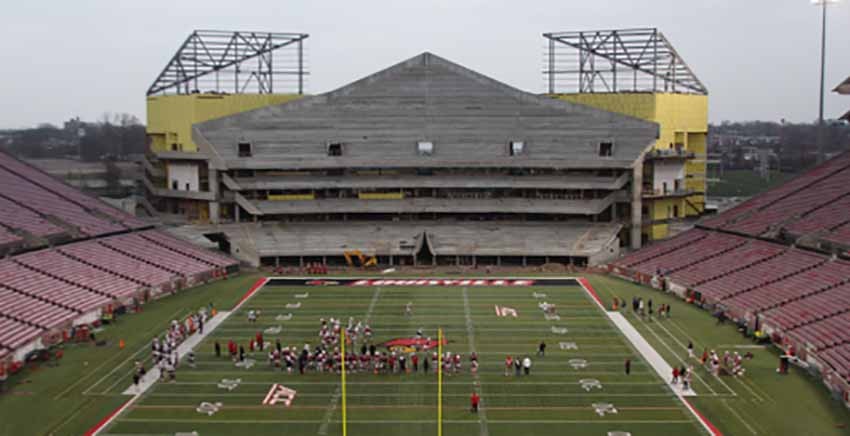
pixel 357 258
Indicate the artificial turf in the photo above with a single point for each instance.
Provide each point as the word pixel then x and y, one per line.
pixel 69 399
pixel 551 400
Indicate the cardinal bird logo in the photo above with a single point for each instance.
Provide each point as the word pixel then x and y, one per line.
pixel 410 345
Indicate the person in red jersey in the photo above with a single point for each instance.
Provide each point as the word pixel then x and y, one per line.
pixel 474 400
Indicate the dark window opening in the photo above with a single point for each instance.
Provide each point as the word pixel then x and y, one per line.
pixel 606 149
pixel 245 149
pixel 174 185
pixel 174 147
pixel 335 149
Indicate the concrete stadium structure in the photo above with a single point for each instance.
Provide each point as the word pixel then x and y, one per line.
pixel 425 162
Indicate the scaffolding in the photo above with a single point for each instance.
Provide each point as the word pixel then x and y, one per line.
pixel 235 62
pixel 623 60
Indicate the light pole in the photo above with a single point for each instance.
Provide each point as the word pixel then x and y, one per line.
pixel 820 133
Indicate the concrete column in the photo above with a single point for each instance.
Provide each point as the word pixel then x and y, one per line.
pixel 301 261
pixel 524 261
pixel 213 205
pixel 236 212
pixel 637 188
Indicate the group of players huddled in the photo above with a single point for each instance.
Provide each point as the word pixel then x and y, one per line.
pixel 326 355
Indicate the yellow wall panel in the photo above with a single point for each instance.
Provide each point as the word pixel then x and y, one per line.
pixel 170 117
pixel 290 197
pixel 683 119
pixel 380 195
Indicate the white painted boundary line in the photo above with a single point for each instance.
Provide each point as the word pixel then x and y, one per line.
pixel 649 354
pixel 221 317
pixel 329 412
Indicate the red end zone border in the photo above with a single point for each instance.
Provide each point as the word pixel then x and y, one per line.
pixel 257 285
pixel 711 428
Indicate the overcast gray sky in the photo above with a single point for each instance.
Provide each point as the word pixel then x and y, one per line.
pixel 758 58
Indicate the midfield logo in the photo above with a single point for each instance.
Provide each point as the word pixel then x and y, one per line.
pixel 286 317
pixel 551 317
pixel 589 384
pixel 304 295
pixel 410 345
pixel 279 394
pixel 559 330
pixel 506 311
pixel 293 305
pixel 602 408
pixel 538 295
pixel 273 330
pixel 229 384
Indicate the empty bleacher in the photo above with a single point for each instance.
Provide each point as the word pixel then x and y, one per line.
pixel 41 286
pixel 53 263
pixel 762 273
pixel 805 201
pixel 799 183
pixel 807 310
pixel 33 311
pixel 70 194
pixel 47 204
pixel 712 245
pixel 14 334
pixel 825 333
pixel 838 358
pixel 98 256
pixel 800 293
pixel 752 252
pixel 792 288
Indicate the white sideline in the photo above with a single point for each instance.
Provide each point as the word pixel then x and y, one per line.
pixel 664 370
pixel 208 328
pixel 152 376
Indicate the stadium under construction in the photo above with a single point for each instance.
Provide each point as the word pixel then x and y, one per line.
pixel 428 162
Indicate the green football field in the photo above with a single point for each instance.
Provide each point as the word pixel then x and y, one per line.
pixel 560 395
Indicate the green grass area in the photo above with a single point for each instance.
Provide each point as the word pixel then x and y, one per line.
pixel 549 401
pixel 745 183
pixel 69 399
pixel 760 403
pixel 85 387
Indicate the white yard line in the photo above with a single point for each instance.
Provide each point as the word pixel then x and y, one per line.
pixel 673 352
pixel 648 353
pixel 651 356
pixel 326 419
pixel 470 333
pixel 181 350
pixel 116 368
